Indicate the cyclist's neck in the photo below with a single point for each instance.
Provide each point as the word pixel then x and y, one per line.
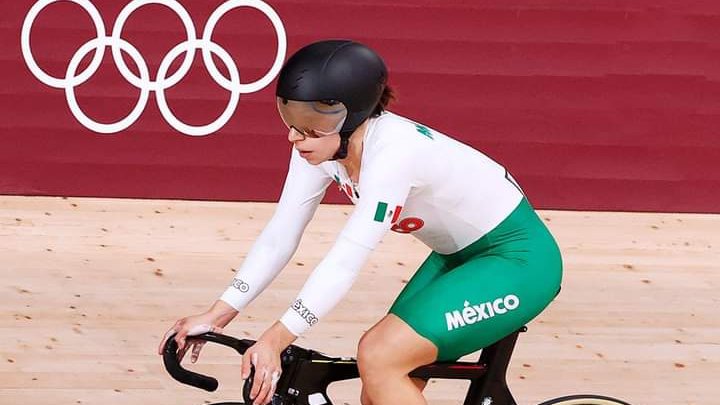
pixel 355 148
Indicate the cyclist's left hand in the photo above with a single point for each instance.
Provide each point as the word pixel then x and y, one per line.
pixel 264 355
pixel 266 360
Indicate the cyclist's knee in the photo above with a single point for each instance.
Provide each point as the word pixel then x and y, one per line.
pixel 391 348
pixel 376 357
pixel 365 397
pixel 371 352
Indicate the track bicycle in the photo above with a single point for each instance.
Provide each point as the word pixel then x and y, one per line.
pixel 306 374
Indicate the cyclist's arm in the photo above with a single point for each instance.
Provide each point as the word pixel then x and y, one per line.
pixel 385 185
pixel 304 189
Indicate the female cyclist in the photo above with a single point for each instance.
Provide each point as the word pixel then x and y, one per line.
pixel 494 266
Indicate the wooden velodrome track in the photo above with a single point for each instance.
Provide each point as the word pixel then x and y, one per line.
pixel 90 285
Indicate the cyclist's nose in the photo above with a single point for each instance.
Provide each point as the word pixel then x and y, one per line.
pixel 294 135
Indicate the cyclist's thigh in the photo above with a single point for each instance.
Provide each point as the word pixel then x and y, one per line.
pixel 432 268
pixel 480 302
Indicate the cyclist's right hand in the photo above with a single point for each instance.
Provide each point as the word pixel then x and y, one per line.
pixel 211 321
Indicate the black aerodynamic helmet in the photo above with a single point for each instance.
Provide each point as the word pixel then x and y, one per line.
pixel 335 84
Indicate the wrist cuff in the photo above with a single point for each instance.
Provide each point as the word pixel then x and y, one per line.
pixel 298 318
pixel 234 298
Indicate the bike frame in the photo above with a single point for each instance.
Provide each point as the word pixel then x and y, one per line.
pixel 307 374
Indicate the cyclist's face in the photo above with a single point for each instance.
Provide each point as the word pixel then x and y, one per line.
pixel 313 148
pixel 313 126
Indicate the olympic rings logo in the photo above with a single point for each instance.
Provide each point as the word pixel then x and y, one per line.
pixel 143 82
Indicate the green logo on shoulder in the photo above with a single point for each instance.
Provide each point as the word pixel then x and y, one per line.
pixel 423 130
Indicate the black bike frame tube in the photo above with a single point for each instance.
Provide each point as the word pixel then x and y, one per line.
pixel 338 370
pixel 450 371
pixel 493 384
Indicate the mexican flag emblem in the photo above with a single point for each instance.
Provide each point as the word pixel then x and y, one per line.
pixel 382 213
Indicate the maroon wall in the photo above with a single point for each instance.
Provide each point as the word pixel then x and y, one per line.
pixel 605 105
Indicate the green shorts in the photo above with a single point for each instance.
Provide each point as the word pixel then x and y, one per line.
pixel 470 299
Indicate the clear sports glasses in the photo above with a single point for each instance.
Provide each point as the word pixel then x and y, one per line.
pixel 312 119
